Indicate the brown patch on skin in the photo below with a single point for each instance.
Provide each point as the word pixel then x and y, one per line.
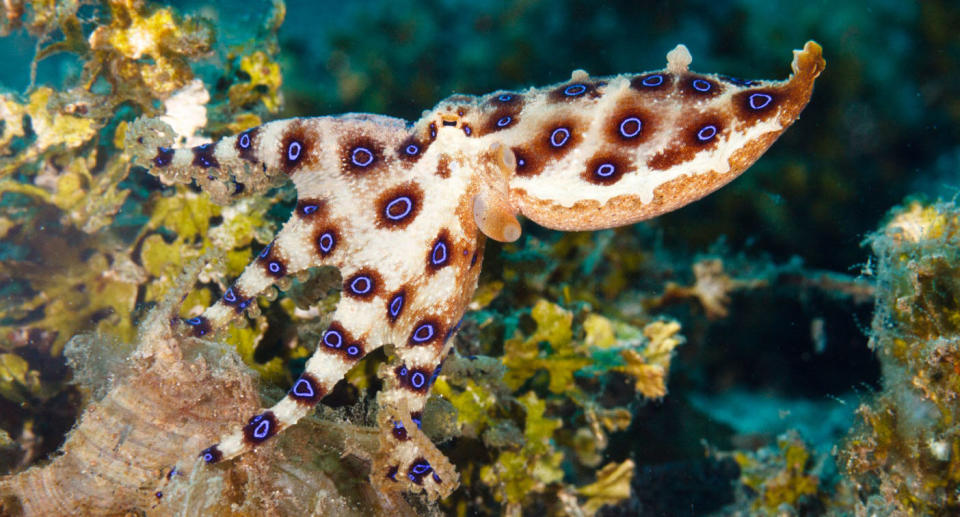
pixel 298 132
pixel 389 215
pixel 364 285
pixel 753 106
pixel 536 154
pixel 199 326
pixel 552 134
pixel 652 87
pixel 397 301
pixel 443 166
pixel 619 128
pixel 260 428
pixel 360 155
pixel 234 297
pixel 503 118
pixel 203 156
pixel 311 209
pixel 413 379
pixel 326 240
pixel 248 153
pixel 605 169
pixel 699 87
pixel 440 254
pixel 584 89
pixel 426 332
pixel 336 340
pixel 501 99
pixel 412 149
pixel 273 265
pixel 307 390
pixel 688 144
pixel 529 163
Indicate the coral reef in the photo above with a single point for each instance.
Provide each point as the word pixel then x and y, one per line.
pixel 904 456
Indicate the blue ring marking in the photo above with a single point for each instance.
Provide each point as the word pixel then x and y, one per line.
pixel 417 421
pixel 244 141
pixel 294 150
pixel 396 305
pixel 701 86
pixel 366 289
pixel 707 133
pixel 195 321
pixel 442 248
pixel 652 81
pixel 575 89
pixel 309 209
pixel 565 135
pixel 412 150
pixel 266 251
pixel 303 388
pixel 467 130
pixel 418 379
pixel 353 351
pixel 230 296
pixel 262 430
pixel 505 97
pixel 403 371
pixel 388 211
pixel 428 327
pixel 244 304
pixel 326 242
pixel 208 457
pixel 521 162
pixel 274 266
pixel 605 170
pixel 421 468
pixel 504 121
pixel 436 478
pixel 392 473
pixel 360 162
pixel 766 100
pixel 328 343
pixel 737 81
pixel 630 134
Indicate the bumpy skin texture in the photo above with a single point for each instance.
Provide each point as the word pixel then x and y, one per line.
pixel 402 211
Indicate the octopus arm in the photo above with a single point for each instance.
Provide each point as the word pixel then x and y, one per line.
pixel 596 153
